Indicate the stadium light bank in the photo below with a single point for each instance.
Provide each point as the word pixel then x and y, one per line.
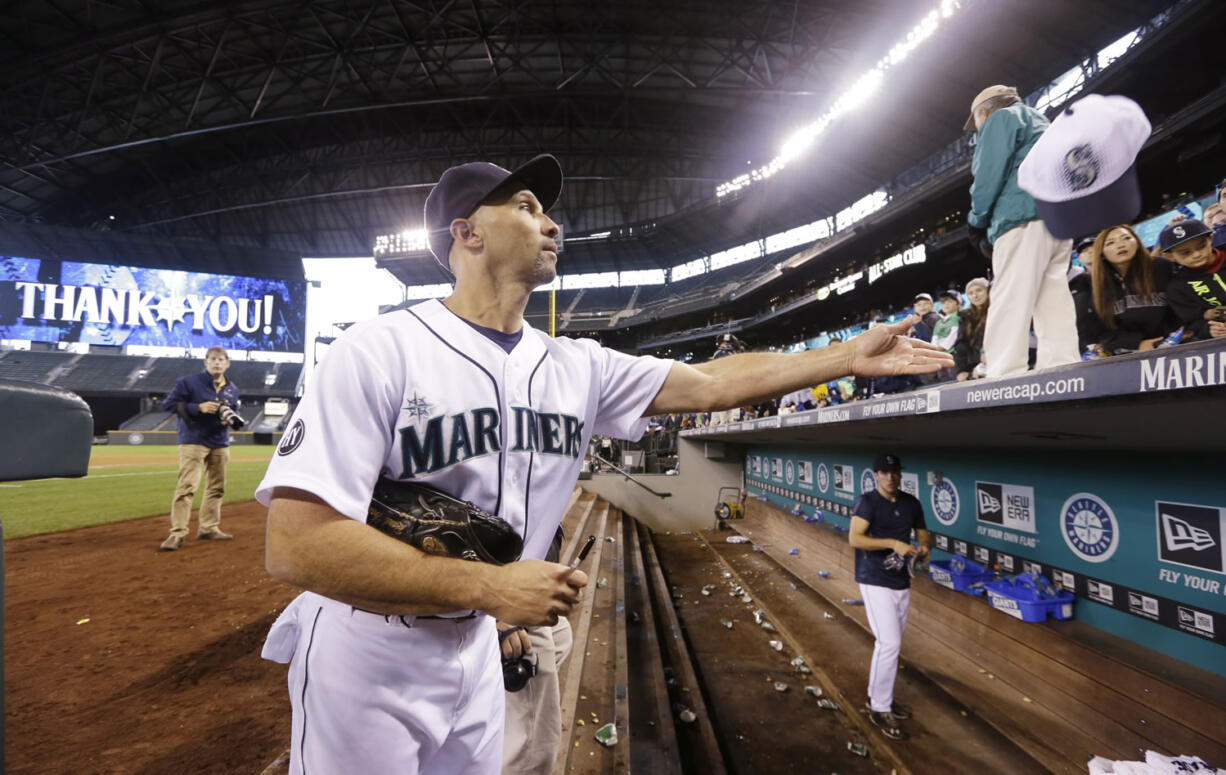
pixel 855 96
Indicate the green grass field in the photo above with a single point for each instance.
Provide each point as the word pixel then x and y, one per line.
pixel 123 483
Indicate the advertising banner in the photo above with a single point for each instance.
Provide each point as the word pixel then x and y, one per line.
pixel 68 301
pixel 1146 556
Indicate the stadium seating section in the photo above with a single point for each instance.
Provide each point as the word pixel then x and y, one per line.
pixel 31 366
pixel 94 374
pixel 100 372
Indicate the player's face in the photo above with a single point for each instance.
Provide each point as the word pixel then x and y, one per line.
pixel 1119 247
pixel 522 238
pixel 888 481
pixel 1194 254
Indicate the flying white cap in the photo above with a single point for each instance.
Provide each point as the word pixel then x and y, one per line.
pixel 1082 172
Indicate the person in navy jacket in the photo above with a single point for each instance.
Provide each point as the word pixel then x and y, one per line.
pixel 204 447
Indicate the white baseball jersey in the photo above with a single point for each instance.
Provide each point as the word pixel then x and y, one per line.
pixel 419 394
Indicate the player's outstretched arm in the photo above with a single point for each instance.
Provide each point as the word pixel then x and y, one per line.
pixel 753 377
pixel 312 546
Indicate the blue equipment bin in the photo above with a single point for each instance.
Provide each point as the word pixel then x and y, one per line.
pixel 960 575
pixel 1030 597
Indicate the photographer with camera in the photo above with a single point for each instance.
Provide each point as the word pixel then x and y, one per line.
pixel 206 403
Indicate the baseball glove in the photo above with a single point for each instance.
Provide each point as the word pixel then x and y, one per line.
pixel 438 523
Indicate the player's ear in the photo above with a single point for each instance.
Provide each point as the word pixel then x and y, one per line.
pixel 464 233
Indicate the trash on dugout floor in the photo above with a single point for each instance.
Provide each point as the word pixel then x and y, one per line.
pixel 607 735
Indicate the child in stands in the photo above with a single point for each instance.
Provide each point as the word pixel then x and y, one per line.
pixel 1197 290
pixel 968 350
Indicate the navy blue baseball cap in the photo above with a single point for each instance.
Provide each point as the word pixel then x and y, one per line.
pixel 887 463
pixel 1180 232
pixel 462 189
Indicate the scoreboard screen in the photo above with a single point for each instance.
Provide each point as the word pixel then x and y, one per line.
pixel 68 301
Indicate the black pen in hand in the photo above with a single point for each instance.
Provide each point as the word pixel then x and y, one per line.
pixel 582 555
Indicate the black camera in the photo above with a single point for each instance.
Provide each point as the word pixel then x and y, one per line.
pixel 228 416
pixel 516 673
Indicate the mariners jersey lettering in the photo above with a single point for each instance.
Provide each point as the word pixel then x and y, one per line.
pixel 476 433
pixel 418 394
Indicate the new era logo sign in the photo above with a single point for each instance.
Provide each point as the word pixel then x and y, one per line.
pixel 1186 616
pixel 987 502
pixel 1180 534
pixel 1191 535
pixel 1010 506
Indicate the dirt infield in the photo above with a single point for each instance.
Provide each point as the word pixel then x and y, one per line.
pixel 166 675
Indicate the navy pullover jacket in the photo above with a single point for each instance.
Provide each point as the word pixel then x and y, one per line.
pixel 196 428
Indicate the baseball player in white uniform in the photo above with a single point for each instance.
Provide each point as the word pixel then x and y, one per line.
pixel 394 660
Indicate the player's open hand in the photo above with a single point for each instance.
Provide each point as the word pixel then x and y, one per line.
pixel 886 351
pixel 534 592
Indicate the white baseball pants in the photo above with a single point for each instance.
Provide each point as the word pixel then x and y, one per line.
pixel 1030 282
pixel 887 615
pixel 377 695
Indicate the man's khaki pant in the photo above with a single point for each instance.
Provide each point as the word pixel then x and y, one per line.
pixel 194 460
pixel 534 714
pixel 1030 284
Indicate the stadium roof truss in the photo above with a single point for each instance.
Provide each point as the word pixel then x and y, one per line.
pixel 314 125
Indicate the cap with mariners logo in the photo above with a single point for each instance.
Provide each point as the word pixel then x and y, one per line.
pixel 1082 171
pixel 462 189
pixel 887 463
pixel 1180 232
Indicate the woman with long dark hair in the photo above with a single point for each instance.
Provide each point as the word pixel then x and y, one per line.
pixel 1128 292
pixel 968 350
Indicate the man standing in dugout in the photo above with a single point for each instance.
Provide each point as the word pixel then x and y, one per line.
pixel 881 525
pixel 204 401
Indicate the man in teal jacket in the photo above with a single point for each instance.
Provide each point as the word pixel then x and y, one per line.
pixel 1029 265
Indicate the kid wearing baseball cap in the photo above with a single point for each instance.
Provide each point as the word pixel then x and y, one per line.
pixel 1197 291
